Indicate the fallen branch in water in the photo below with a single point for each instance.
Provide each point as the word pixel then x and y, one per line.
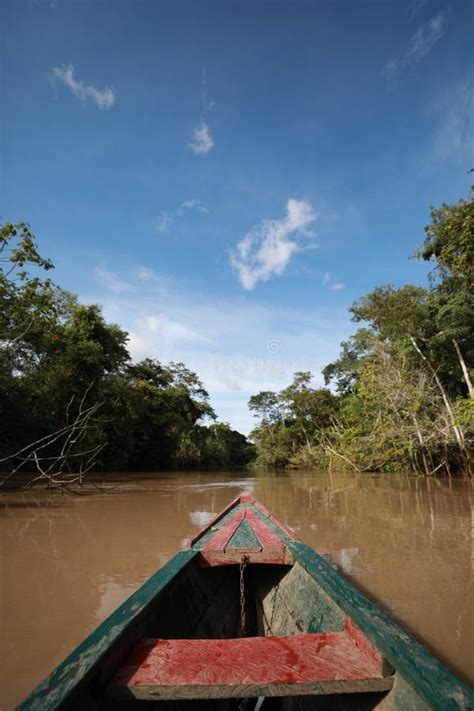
pixel 55 457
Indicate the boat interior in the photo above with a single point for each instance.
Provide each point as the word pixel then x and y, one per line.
pixel 240 637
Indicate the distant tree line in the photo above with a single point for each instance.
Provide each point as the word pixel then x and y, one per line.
pixel 70 397
pixel 402 395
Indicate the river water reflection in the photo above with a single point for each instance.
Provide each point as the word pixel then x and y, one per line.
pixel 68 561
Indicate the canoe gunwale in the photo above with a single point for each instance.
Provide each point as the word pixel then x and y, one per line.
pixel 72 673
pixel 410 658
pixel 424 673
pixel 419 669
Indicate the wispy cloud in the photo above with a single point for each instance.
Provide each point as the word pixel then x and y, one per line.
pixel 391 69
pixel 195 204
pixel 111 282
pixel 420 45
pixel 167 217
pixel 453 137
pixel 331 284
pixel 425 38
pixel 415 7
pixel 152 281
pixel 161 325
pixel 207 104
pixel 236 347
pixel 268 248
pixel 103 98
pixel 164 221
pixel 146 274
pixel 202 141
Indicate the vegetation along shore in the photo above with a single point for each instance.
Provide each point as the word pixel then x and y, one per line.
pixel 400 394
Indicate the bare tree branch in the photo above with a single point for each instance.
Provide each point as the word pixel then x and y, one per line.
pixel 57 457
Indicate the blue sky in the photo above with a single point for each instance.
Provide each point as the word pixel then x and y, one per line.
pixel 226 178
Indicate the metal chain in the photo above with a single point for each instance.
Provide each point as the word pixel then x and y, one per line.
pixel 243 565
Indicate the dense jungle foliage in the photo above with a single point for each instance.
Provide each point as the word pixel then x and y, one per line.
pixel 401 390
pixel 403 394
pixel 71 399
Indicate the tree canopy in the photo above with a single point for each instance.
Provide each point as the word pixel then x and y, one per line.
pixel 59 357
pixel 403 379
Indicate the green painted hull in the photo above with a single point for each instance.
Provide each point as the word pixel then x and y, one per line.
pixel 186 600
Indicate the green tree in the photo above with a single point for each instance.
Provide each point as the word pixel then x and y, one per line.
pixel 266 405
pixel 225 447
pixel 292 422
pixel 449 242
pixel 26 301
pixel 345 370
pixel 28 310
pixel 403 377
pixel 59 358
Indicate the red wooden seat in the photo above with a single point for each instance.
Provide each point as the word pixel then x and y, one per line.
pixel 333 662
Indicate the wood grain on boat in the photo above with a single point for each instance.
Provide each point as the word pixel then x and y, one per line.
pixel 325 663
pixel 309 633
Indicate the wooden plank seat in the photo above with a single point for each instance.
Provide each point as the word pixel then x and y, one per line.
pixel 324 663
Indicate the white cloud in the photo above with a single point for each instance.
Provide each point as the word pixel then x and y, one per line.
pixel 425 38
pixel 164 221
pixel 229 343
pixel 415 7
pixel 207 104
pixel 202 141
pixel 103 98
pixel 331 284
pixel 195 204
pixel 111 282
pixel 420 45
pixel 451 115
pixel 146 279
pixel 390 70
pixel 455 136
pixel 268 248
pixel 166 218
pixel 146 274
pixel 164 327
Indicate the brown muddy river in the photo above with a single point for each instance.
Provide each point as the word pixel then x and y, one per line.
pixel 68 561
